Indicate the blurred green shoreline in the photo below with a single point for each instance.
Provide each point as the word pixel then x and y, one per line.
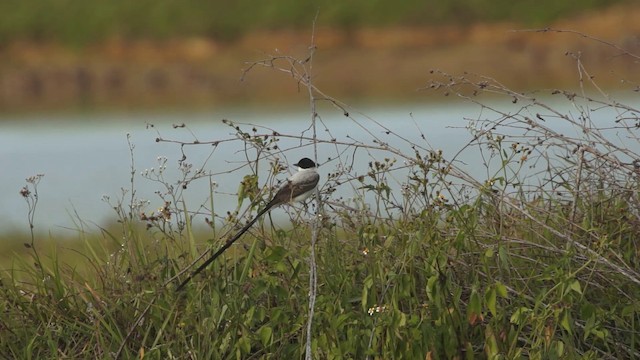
pixel 355 64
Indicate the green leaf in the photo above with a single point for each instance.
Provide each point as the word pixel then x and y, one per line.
pixel 602 334
pixel 431 287
pixel 264 334
pixel 490 343
pixel 468 350
pixel 247 188
pixel 520 316
pixel 558 346
pixel 575 286
pixel 475 307
pixel 276 253
pixel 565 321
pixel 490 299
pixel 501 289
pixel 403 319
pixel 368 283
pixel 244 345
pixel 504 257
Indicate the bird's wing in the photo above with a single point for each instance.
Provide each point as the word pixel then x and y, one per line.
pixel 303 184
pixel 298 184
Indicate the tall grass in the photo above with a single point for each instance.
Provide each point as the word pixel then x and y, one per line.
pixel 537 259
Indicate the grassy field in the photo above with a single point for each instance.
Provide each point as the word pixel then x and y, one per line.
pixel 539 259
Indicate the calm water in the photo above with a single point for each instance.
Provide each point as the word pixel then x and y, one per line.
pixel 85 157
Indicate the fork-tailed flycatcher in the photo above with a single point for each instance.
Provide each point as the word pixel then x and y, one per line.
pixel 298 187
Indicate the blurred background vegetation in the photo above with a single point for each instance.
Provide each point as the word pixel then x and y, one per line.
pixel 82 22
pixel 61 54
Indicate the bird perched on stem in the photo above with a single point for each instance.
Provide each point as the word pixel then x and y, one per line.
pixel 298 187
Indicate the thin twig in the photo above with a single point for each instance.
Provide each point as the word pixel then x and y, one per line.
pixel 313 267
pixel 583 35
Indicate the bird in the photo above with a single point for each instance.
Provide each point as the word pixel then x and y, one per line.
pixel 298 187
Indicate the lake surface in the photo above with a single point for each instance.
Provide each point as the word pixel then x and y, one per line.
pixel 85 157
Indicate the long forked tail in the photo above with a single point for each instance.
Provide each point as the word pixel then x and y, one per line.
pixel 225 246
